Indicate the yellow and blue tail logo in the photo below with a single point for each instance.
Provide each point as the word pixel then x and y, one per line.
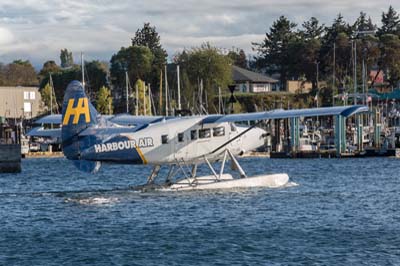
pixel 77 115
pixel 81 108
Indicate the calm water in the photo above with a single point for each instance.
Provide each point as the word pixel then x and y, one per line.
pixel 343 212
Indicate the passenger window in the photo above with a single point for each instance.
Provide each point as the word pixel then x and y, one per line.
pixel 204 133
pixel 180 137
pixel 193 134
pixel 218 131
pixel 164 139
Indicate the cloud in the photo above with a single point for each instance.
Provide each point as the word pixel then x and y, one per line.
pixel 6 36
pixel 38 29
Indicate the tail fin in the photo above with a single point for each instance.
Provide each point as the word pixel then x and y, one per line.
pixel 77 115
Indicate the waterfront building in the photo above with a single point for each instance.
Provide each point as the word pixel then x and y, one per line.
pixel 249 81
pixel 20 102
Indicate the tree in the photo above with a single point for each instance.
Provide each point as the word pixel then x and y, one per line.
pixel 61 80
pixel 66 58
pixel 312 30
pixel 136 60
pixel 48 68
pixel 20 73
pixel 390 23
pixel 47 97
pixel 149 37
pixel 391 57
pixel 96 73
pixel 2 75
pixel 143 100
pixel 206 64
pixel 363 24
pixel 336 45
pixel 238 59
pixel 273 51
pixel 104 101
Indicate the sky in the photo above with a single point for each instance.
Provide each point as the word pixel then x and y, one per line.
pixel 37 30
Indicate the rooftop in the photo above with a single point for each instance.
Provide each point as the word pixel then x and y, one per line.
pixel 241 74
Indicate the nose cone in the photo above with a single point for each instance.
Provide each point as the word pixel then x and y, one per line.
pixel 254 139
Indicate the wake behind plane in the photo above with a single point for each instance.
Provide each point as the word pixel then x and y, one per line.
pixel 181 143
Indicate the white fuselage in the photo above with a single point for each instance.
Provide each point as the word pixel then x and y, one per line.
pixel 187 140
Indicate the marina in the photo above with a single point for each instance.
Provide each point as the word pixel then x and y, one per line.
pixel 209 133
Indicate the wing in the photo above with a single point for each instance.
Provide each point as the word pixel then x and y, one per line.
pixel 122 119
pixel 41 132
pixel 49 119
pixel 345 111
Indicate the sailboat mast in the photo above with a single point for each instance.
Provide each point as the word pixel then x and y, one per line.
pixel 83 71
pixel 144 98
pixel 137 100
pixel 179 88
pixel 51 95
pixel 126 88
pixel 166 91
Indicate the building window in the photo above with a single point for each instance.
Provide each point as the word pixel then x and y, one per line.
pixel 218 131
pixel 204 133
pixel 27 107
pixel 180 137
pixel 32 95
pixel 193 134
pixel 164 139
pixel 26 95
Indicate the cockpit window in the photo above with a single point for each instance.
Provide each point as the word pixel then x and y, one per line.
pixel 205 133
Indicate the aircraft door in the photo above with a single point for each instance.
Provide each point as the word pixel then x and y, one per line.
pixel 234 146
pixel 181 141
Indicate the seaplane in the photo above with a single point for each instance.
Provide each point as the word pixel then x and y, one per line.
pixel 181 143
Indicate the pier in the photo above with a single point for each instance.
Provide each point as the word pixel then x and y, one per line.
pixel 10 158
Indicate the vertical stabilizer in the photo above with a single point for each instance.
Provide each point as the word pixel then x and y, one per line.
pixel 77 115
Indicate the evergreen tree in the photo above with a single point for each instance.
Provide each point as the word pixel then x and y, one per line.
pixel 391 58
pixel 305 50
pixel 238 59
pixel 363 24
pixel 66 58
pixel 149 37
pixel 273 51
pixel 390 23
pixel 312 29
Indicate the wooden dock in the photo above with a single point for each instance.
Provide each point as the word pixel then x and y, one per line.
pixel 10 158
